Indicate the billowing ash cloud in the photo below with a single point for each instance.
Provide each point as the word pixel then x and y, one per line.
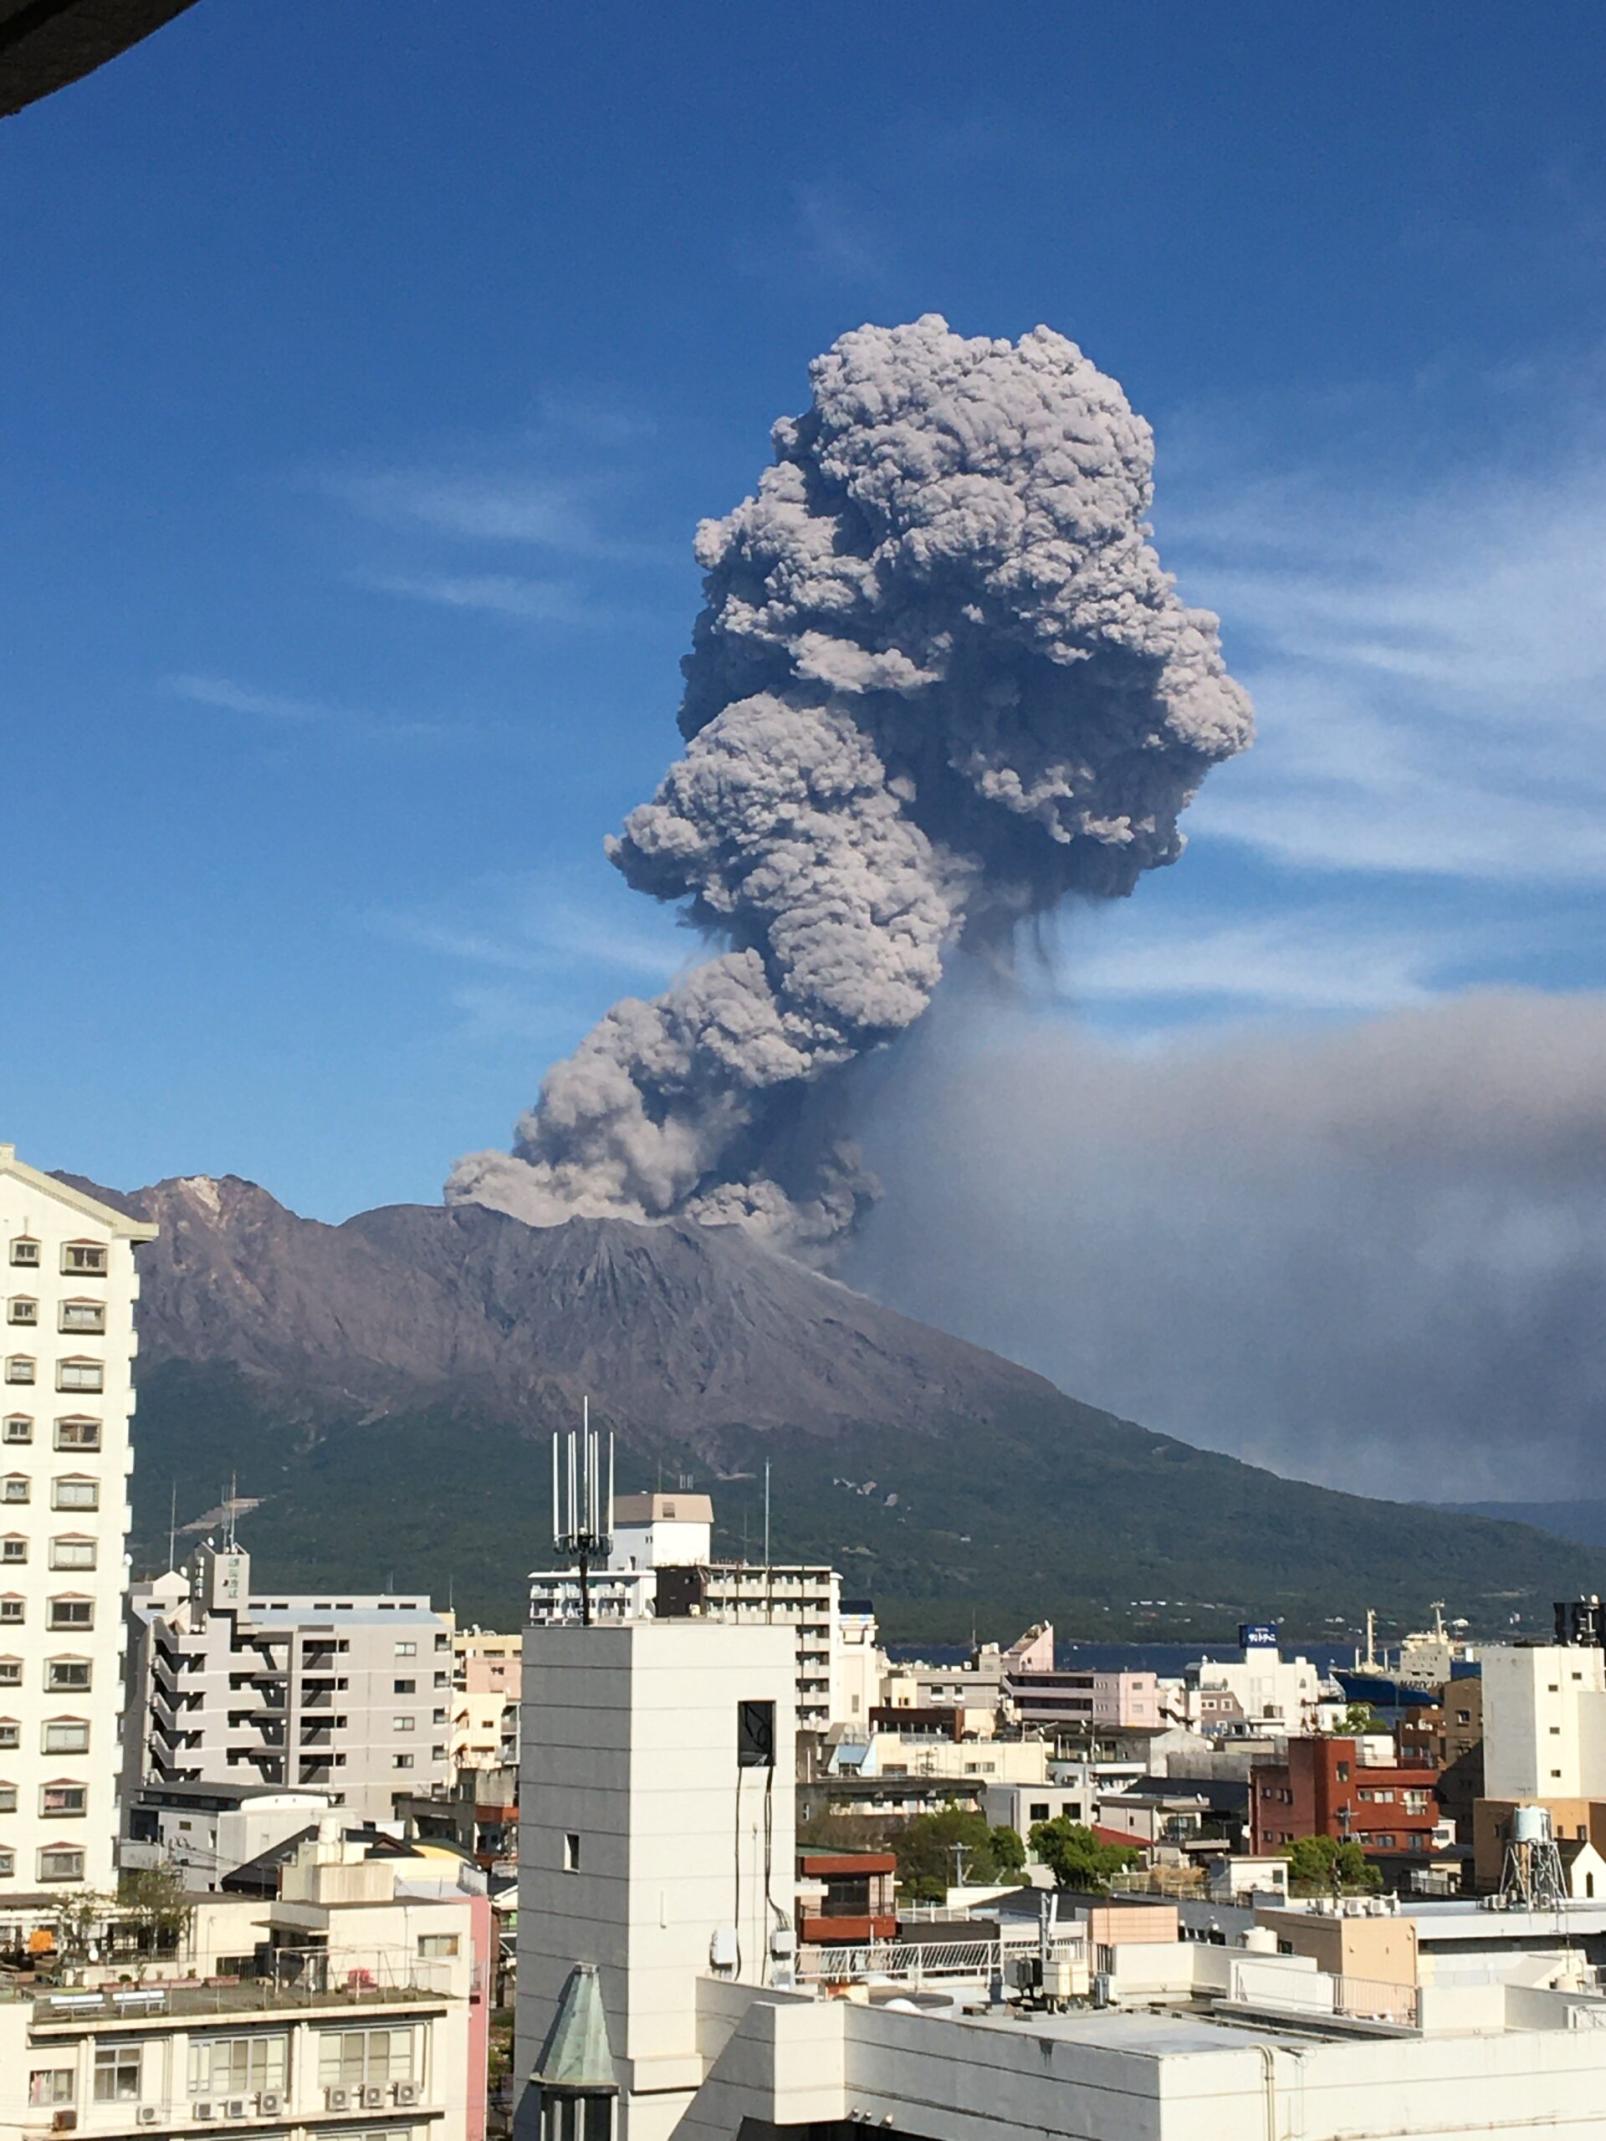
pixel 939 682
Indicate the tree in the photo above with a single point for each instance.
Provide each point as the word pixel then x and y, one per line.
pixel 1074 1855
pixel 1321 1866
pixel 152 1903
pixel 1359 1718
pixel 1009 1852
pixel 936 1851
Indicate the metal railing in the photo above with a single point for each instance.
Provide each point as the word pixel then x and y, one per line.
pixel 916 1961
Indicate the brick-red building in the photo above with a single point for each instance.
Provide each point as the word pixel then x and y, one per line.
pixel 859 1903
pixel 1327 1788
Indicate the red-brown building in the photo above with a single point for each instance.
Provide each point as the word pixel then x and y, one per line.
pixel 860 1899
pixel 1328 1788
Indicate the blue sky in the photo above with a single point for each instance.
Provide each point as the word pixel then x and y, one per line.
pixel 368 368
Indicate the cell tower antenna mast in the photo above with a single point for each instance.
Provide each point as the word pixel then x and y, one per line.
pixel 582 1512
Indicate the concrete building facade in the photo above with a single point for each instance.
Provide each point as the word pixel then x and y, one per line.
pixel 1544 1721
pixel 656 1842
pixel 349 1695
pixel 69 1286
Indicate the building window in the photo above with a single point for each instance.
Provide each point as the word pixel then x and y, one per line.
pixel 51 2085
pixel 571 1852
pixel 116 2071
pixel 74 1493
pixel 14 1488
pixel 12 1608
pixel 436 1944
pixel 63 1799
pixel 72 1553
pixel 8 1862
pixel 18 1428
pixel 64 1675
pixel 78 1434
pixel 22 1308
pixel 404 1687
pixel 80 1375
pixel 72 1613
pixel 65 1735
pixel 354 2058
pixel 8 1798
pixel 65 1862
pixel 576 2116
pixel 10 1732
pixel 25 1252
pixel 19 1369
pixel 83 1316
pixel 401 1761
pixel 13 1548
pixel 84 1259
pixel 229 2066
pixel 10 1672
pixel 405 1649
pixel 404 1724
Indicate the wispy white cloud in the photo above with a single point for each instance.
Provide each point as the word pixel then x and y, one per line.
pixel 1430 674
pixel 836 234
pixel 224 695
pixel 545 512
pixel 519 924
pixel 501 594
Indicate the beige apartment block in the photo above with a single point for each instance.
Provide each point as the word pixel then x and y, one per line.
pixel 68 1285
pixel 354 2004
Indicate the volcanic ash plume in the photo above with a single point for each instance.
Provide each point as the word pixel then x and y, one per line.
pixel 939 681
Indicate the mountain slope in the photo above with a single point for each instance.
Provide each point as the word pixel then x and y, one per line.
pixel 384 1384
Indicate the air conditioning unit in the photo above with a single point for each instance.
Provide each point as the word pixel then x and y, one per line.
pixel 337 2100
pixel 146 2114
pixel 63 2122
pixel 235 2108
pixel 372 2099
pixel 406 2093
pixel 270 2103
pixel 206 2111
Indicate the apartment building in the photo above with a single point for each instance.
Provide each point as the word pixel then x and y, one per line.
pixel 1353 1790
pixel 353 2005
pixel 1544 1721
pixel 662 1568
pixel 66 1355
pixel 350 1695
pixel 485 1699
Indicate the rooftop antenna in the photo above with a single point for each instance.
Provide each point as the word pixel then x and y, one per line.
pixel 582 1518
pixel 172 1526
pixel 769 1572
pixel 231 1544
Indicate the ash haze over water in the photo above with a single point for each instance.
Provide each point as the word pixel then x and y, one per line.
pixel 1374 1257
pixel 940 683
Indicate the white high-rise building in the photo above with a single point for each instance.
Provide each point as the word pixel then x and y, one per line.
pixel 662 1567
pixel 66 1358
